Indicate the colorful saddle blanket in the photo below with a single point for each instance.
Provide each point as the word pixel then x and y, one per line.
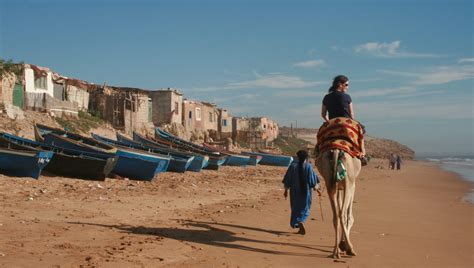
pixel 341 133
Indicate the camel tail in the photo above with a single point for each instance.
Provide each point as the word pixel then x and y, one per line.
pixel 334 159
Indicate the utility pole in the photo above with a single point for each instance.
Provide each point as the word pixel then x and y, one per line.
pixel 296 129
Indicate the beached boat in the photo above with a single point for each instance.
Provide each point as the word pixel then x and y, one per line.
pixel 177 163
pixel 133 164
pixel 200 161
pixel 233 159
pixel 272 159
pixel 65 162
pixel 237 160
pixel 255 159
pixel 215 158
pixel 23 163
pixel 166 136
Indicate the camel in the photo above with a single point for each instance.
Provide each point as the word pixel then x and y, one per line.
pixel 341 196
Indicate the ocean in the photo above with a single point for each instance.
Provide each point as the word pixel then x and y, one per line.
pixel 462 165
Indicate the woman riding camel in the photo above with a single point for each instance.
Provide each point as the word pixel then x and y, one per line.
pixel 337 103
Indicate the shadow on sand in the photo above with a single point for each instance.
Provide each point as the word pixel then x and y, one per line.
pixel 206 233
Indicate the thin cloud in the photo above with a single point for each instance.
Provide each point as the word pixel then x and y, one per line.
pixel 399 73
pixel 310 63
pixel 466 60
pixel 273 80
pixel 416 94
pixel 300 93
pixel 233 98
pixel 437 75
pixel 304 111
pixel 388 50
pixel 384 92
pixel 443 75
pixel 438 110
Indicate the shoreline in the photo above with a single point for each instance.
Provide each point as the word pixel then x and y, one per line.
pixel 233 217
pixel 469 196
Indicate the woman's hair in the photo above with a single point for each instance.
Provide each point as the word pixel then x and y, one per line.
pixel 302 156
pixel 340 79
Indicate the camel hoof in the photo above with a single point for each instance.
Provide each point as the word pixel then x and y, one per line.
pixel 335 256
pixel 351 252
pixel 343 246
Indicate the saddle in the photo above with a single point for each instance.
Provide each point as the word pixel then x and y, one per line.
pixel 341 133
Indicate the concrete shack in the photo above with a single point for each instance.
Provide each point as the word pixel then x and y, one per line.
pixel 127 109
pixel 240 127
pixel 200 116
pixel 224 127
pixel 43 93
pixel 268 127
pixel 167 106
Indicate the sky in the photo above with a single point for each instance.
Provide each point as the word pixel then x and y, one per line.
pixel 410 63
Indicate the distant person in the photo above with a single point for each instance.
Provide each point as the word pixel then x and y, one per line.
pixel 392 159
pixel 300 178
pixel 337 103
pixel 398 160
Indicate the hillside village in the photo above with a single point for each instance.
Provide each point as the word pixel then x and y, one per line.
pixel 31 87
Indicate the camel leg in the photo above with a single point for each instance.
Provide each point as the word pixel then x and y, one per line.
pixel 346 216
pixel 350 218
pixel 335 220
pixel 342 243
pixel 350 215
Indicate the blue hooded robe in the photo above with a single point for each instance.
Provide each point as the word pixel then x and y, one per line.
pixel 300 199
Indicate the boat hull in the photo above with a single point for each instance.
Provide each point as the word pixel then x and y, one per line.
pixel 129 164
pixel 177 163
pixel 65 163
pixel 139 167
pixel 197 164
pixel 272 160
pixel 23 163
pixel 237 160
pixel 255 159
pixel 215 162
pixel 216 159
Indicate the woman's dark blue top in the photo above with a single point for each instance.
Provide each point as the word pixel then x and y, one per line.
pixel 337 104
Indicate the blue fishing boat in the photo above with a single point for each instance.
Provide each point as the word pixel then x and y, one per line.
pixel 272 159
pixel 216 159
pixel 133 164
pixel 237 160
pixel 215 162
pixel 161 134
pixel 200 161
pixel 177 163
pixel 233 159
pixel 23 163
pixel 255 159
pixel 65 162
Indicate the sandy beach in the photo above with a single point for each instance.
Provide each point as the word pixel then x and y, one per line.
pixel 234 217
